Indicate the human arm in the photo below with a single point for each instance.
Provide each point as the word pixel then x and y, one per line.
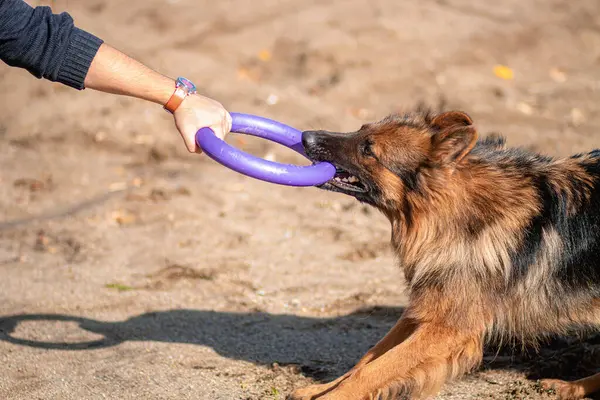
pixel 114 72
pixel 50 46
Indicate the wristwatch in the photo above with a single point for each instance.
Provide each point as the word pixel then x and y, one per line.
pixel 183 88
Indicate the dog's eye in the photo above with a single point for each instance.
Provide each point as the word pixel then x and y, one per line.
pixel 366 149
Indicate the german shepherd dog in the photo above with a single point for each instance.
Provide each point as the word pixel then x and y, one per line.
pixel 493 242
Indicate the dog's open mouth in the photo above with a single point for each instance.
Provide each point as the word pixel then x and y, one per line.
pixel 347 182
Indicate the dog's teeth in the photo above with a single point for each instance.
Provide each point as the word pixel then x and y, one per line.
pixel 344 180
pixel 353 179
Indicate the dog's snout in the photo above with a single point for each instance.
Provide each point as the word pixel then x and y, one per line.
pixel 313 146
pixel 320 145
pixel 309 139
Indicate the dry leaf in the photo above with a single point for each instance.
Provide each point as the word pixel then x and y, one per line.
pixel 34 185
pixel 248 75
pixel 123 217
pixel 503 72
pixel 243 73
pixel 137 181
pixel 135 197
pixel 264 55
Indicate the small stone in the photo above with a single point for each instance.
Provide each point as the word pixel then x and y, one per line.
pixel 100 137
pixel 270 156
pixel 577 117
pixel 499 92
pixel 158 194
pixel 272 99
pixel 117 186
pixel 525 108
pixel 157 155
pixel 183 191
pixel 143 139
pixel 41 242
pixel 557 75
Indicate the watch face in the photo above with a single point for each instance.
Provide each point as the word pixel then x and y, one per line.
pixel 185 83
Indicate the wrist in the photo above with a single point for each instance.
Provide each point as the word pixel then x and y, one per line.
pixel 114 72
pixel 183 88
pixel 162 91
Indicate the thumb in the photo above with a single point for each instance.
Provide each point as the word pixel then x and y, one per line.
pixel 219 131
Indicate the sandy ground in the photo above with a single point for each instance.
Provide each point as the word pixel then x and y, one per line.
pixel 131 269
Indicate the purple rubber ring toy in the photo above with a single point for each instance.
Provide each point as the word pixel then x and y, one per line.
pixel 269 171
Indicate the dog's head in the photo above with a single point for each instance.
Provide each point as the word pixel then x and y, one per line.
pixel 383 161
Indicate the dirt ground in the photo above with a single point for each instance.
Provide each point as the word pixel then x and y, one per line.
pixel 134 270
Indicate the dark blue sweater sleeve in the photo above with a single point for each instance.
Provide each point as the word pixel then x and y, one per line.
pixel 47 45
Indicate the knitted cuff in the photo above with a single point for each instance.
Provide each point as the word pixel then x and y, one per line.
pixel 78 58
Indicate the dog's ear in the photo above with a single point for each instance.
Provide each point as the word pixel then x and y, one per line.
pixel 455 137
pixel 450 119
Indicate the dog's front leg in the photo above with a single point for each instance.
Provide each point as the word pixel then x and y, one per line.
pixel 415 368
pixel 574 390
pixel 403 328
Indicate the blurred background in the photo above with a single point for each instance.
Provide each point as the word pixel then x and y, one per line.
pixel 132 269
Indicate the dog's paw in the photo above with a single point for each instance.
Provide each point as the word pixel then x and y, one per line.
pixel 311 392
pixel 565 390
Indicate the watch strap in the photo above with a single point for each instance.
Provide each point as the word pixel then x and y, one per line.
pixel 176 99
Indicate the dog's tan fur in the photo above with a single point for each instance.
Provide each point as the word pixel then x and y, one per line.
pixel 485 238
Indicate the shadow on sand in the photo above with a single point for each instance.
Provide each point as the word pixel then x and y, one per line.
pixel 323 348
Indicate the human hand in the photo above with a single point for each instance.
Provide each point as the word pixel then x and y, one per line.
pixel 114 72
pixel 197 112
